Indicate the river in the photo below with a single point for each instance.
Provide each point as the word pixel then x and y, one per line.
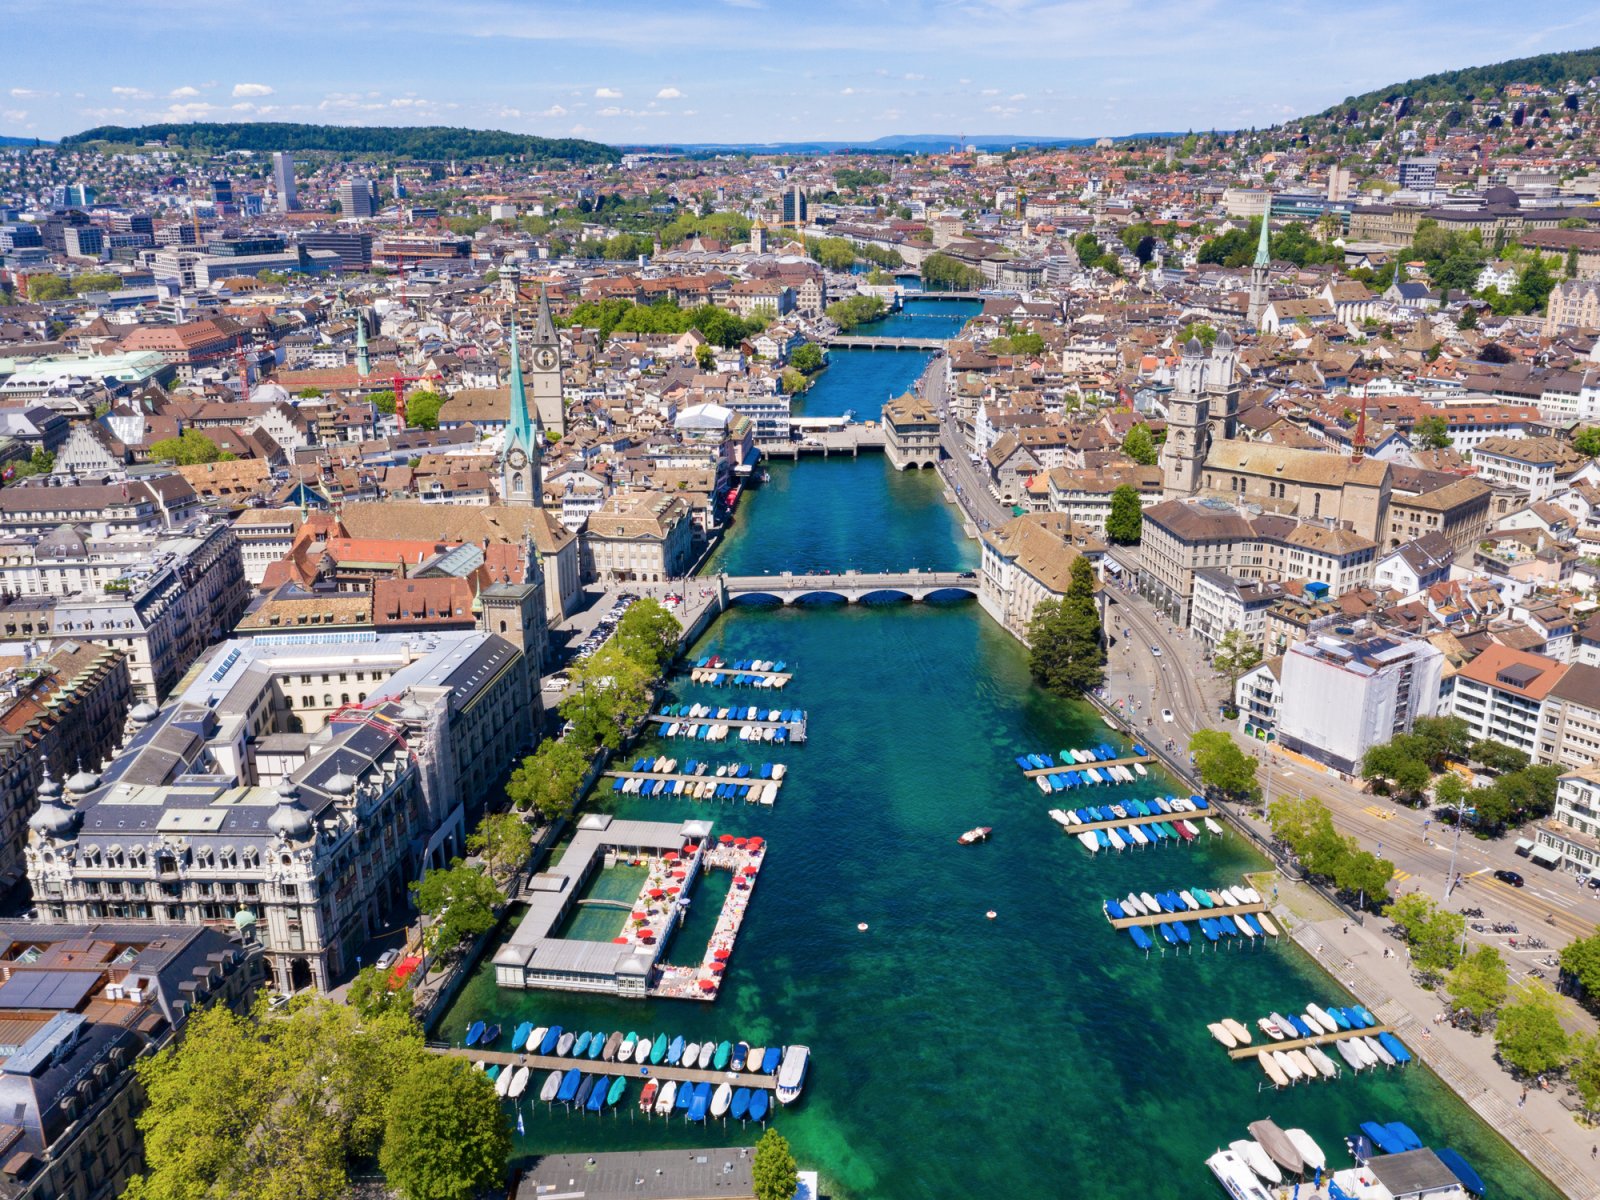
pixel 1037 1053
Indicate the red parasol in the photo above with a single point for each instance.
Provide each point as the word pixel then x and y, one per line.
pixel 755 841
pixel 708 985
pixel 620 941
pixel 719 967
pixel 655 893
pixel 725 838
pixel 749 871
pixel 673 891
pixel 691 847
pixel 722 954
pixel 639 916
pixel 678 874
pixel 739 841
pixel 670 856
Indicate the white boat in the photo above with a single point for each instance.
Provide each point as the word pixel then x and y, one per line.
pixel 1310 1152
pixel 1090 841
pixel 1178 804
pixel 641 1052
pixel 1378 1048
pixel 1134 905
pixel 1271 1028
pixel 792 1073
pixel 1220 1032
pixel 1324 1065
pixel 1151 906
pixel 756 1057
pixel 1240 1033
pixel 1044 783
pixel 1236 1177
pixel 1140 837
pixel 1358 1047
pixel 1060 818
pixel 552 1085
pixel 769 794
pixel 1115 838
pixel 1273 1070
pixel 535 1038
pixel 708 1051
pixel 1212 826
pixel 1284 1024
pixel 519 1084
pixel 722 771
pixel 768 734
pixel 779 770
pixel 1242 926
pixel 1319 1015
pixel 664 1098
pixel 1256 1159
pixel 1228 898
pixel 1348 1052
pixel 1288 1065
pixel 1267 927
pixel 1303 1061
pixel 1189 901
pixel 720 1099
pixel 629 1045
pixel 503 1081
pixel 1139 770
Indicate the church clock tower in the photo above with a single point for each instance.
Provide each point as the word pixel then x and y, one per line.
pixel 521 456
pixel 545 355
pixel 1188 416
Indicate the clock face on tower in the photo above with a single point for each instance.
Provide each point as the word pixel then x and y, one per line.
pixel 517 459
pixel 544 358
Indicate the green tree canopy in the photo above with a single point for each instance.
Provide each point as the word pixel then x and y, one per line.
pixel 808 359
pixel 548 779
pixel 1580 958
pixel 1235 654
pixel 189 448
pixel 504 841
pixel 940 271
pixel 445 1137
pixel 648 634
pixel 1432 933
pixel 1497 756
pixel 1224 767
pixel 461 901
pixel 1140 446
pixel 1125 521
pixel 422 409
pixel 1584 1071
pixel 1587 441
pixel 1431 433
pixel 855 310
pixel 1066 652
pixel 1529 1033
pixel 1479 984
pixel 611 692
pixel 773 1172
pixel 370 995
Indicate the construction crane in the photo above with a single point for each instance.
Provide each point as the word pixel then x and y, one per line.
pixel 400 393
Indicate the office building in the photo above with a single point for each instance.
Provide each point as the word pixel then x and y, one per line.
pixel 295 787
pixel 1418 174
pixel 283 181
pixel 796 209
pixel 353 248
pixel 222 196
pixel 1501 694
pixel 358 198
pixel 1343 693
pixel 84 241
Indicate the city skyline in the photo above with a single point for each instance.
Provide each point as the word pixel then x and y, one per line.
pixel 745 70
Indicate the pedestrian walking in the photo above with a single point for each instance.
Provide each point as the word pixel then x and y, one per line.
pixel 1523 1099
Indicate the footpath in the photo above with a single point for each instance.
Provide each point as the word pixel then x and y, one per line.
pixel 1541 1129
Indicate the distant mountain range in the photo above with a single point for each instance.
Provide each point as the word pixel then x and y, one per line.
pixel 23 141
pixel 403 141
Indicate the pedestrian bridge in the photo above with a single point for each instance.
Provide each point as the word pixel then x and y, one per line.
pixel 845 341
pixel 850 586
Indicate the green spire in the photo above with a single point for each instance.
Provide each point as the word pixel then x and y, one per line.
pixel 363 359
pixel 1263 255
pixel 519 431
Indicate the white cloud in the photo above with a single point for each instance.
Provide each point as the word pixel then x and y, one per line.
pixel 31 94
pixel 990 92
pixel 17 115
pixel 555 110
pixel 1019 95
pixel 669 93
pixel 610 111
pixel 606 93
pixel 914 75
pixel 847 91
pixel 198 108
pixel 131 93
pixel 183 93
pixel 250 89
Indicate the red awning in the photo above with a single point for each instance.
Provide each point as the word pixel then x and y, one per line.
pixel 722 954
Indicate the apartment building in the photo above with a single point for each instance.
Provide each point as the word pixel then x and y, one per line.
pixel 1569 719
pixel 1570 837
pixel 1537 466
pixel 1027 561
pixel 1501 692
pixel 1222 602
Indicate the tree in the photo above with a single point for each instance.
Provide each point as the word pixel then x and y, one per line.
pixel 773 1172
pixel 1580 958
pixel 1365 874
pixel 1584 1071
pixel 1398 764
pixel 1140 446
pixel 648 634
pixel 44 288
pixel 371 995
pixel 1529 1033
pixel 1066 652
pixel 1497 756
pixel 705 356
pixel 1479 984
pixel 1443 738
pixel 40 462
pixel 1235 655
pixel 1468 318
pixel 1433 934
pixel 1223 766
pixel 808 358
pixel 1125 521
pixel 383 402
pixel 271 1106
pixel 611 693
pixel 940 271
pixel 1587 441
pixel 461 901
pixel 1431 433
pixel 189 448
pixel 1534 286
pixel 548 779
pixel 309 393
pixel 422 410
pixel 855 310
pixel 503 840
pixel 446 1135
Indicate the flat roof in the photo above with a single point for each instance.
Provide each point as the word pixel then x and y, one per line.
pixel 721 1172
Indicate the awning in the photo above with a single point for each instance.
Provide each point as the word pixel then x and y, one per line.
pixel 1524 845
pixel 1546 854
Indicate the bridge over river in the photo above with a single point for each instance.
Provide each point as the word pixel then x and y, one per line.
pixel 846 341
pixel 851 586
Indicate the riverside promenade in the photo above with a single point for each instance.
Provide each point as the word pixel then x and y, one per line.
pixel 1542 1130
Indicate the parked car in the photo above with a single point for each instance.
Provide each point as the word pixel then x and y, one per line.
pixel 1510 877
pixel 388 959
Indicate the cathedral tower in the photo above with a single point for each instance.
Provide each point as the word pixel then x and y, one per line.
pixel 1184 455
pixel 1259 269
pixel 1222 392
pixel 521 474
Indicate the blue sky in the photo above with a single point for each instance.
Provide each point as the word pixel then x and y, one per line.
pixel 628 71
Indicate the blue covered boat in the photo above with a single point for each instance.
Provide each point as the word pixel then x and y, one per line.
pixel 551 1038
pixel 741 1052
pixel 675 1051
pixel 1463 1171
pixel 1406 1135
pixel 597 1043
pixel 1394 1046
pixel 597 1097
pixel 1167 936
pixel 685 1096
pixel 1340 1017
pixel 569 1085
pixel 740 1105
pixel 519 1039
pixel 1255 925
pixel 1300 1026
pixel 1209 928
pixel 1140 938
pixel 1114 910
pixel 474 1033
pixel 701 1101
pixel 1101 837
pixel 759 1100
pixel 1181 928
pixel 581 1046
pixel 1380 1137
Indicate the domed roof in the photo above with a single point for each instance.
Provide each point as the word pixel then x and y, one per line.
pixel 1501 197
pixel 83 783
pixel 53 819
pixel 49 786
pixel 243 919
pixel 289 820
pixel 287 790
pixel 341 784
pixel 1193 349
pixel 1224 340
pixel 144 712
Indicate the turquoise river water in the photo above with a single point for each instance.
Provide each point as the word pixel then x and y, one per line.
pixel 1038 1053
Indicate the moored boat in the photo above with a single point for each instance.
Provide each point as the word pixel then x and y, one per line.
pixel 1277 1145
pixel 647 1098
pixel 792 1073
pixel 1221 1033
pixel 675 1051
pixel 760 1102
pixel 719 1060
pixel 1236 1177
pixel 535 1039
pixel 519 1083
pixel 1324 1065
pixel 1290 1067
pixel 741 1054
pixel 552 1085
pixel 699 1101
pixel 1322 1017
pixel 740 1105
pixel 570 1082
pixel 1240 1033
pixel 1310 1153
pixel 585 1090
pixel 626 1049
pixel 1273 1070
pixel 668 1094
pixel 474 1034
pixel 721 1099
pixel 1256 1159
pixel 608 1052
pixel 977 834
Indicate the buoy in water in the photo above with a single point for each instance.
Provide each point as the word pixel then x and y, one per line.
pixel 990 914
pixel 862 927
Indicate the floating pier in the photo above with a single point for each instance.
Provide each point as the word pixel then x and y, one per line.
pixel 762 791
pixel 794 731
pixel 595 1066
pixel 1131 760
pixel 1321 1039
pixel 1190 914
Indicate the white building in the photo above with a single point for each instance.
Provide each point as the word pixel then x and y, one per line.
pixel 1222 602
pixel 1501 693
pixel 1344 694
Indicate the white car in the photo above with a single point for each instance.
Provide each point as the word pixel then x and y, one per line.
pixel 387 959
pixel 1166 714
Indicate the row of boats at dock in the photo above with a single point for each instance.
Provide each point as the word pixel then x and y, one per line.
pixel 1192 903
pixel 1147 824
pixel 706 723
pixel 730 781
pixel 1066 780
pixel 788 1063
pixel 1337 1026
pixel 1271 1155
pixel 744 672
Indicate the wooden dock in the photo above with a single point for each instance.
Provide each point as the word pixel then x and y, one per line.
pixel 1123 822
pixel 1032 772
pixel 1322 1039
pixel 698 675
pixel 681 778
pixel 1187 915
pixel 797 729
pixel 545 1063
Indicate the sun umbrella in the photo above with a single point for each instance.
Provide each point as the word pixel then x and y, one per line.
pixel 678 874
pixel 621 941
pixel 639 916
pixel 725 838
pixel 655 893
pixel 755 841
pixel 670 856
pixel 739 841
pixel 673 891
pixel 722 954
pixel 719 967
pixel 749 871
pixel 708 985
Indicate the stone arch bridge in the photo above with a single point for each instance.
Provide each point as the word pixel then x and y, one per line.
pixel 850 586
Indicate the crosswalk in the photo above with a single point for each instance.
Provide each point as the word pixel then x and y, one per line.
pixel 1399 875
pixel 1383 814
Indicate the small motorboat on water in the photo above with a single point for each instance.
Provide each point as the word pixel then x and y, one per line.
pixel 647 1099
pixel 1222 1034
pixel 1271 1028
pixel 552 1085
pixel 1256 1159
pixel 667 1096
pixel 978 834
pixel 1240 1033
pixel 1236 1177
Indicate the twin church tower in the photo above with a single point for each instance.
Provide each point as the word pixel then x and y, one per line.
pixel 1201 412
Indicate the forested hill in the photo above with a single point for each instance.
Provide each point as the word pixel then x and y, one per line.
pixel 1484 83
pixel 426 141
